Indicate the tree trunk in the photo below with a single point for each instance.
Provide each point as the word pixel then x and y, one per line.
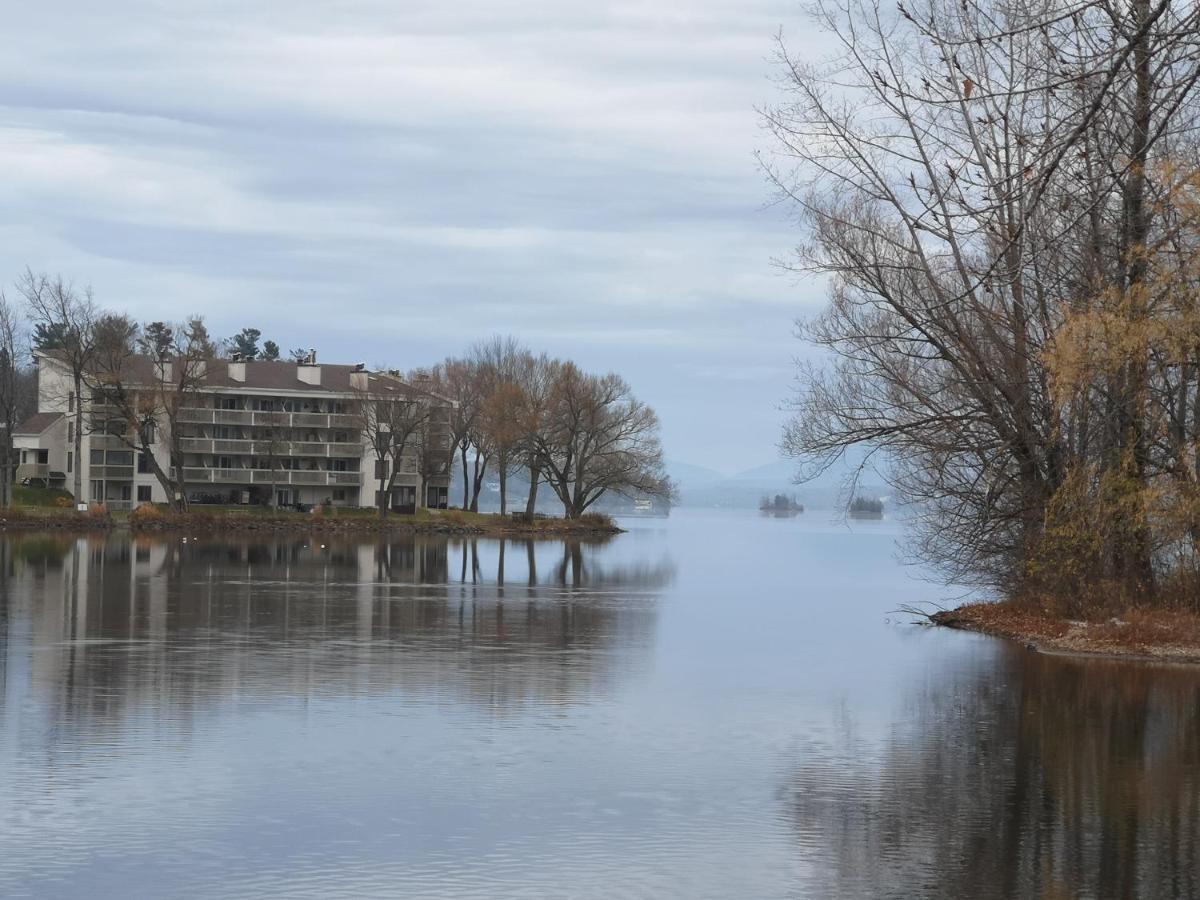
pixel 503 464
pixel 477 481
pixel 535 475
pixel 381 501
pixel 1135 557
pixel 6 488
pixel 78 451
pixel 466 480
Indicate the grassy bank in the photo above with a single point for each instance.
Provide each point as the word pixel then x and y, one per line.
pixel 43 509
pixel 1166 635
pixel 214 520
pixel 241 518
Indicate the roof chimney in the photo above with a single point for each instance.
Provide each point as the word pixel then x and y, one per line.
pixel 308 373
pixel 237 371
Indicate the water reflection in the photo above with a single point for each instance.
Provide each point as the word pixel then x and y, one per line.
pixel 1036 777
pixel 96 627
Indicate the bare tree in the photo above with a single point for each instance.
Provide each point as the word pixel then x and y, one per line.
pixel 536 380
pixel 599 439
pixel 457 380
pixel 392 416
pixel 500 420
pixel 147 378
pixel 500 364
pixel 271 446
pixel 56 308
pixel 973 177
pixel 15 393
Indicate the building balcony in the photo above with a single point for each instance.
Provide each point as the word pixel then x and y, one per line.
pixel 111 473
pixel 195 475
pixel 107 442
pixel 281 449
pixel 196 415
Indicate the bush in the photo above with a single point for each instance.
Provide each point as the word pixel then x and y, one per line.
pixel 146 513
pixel 97 511
pixel 597 520
pixel 453 517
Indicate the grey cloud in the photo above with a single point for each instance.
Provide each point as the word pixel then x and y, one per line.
pixel 392 181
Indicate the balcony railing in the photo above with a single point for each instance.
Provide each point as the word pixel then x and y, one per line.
pixel 198 415
pixel 111 473
pixel 107 442
pixel 247 447
pixel 194 475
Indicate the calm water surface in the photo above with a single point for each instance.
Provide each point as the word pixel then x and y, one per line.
pixel 710 706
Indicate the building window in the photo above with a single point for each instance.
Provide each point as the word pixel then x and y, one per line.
pixel 71 432
pixel 120 457
pixel 143 463
pixel 96 457
pixel 143 493
pixel 229 403
pixel 70 460
pixel 70 401
pixel 339 495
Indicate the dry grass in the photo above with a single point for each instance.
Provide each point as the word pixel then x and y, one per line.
pixel 211 519
pixel 1149 633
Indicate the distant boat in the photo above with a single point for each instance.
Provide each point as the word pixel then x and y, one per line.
pixel 643 504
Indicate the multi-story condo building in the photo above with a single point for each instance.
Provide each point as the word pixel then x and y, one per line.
pixel 282 433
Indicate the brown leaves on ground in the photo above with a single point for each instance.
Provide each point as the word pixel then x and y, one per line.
pixel 1159 634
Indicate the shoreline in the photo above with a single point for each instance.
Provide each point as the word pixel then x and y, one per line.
pixel 450 523
pixel 1157 636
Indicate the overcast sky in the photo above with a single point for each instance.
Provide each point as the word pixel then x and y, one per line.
pixel 389 180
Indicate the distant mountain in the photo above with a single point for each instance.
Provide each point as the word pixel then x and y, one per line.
pixel 779 470
pixel 687 475
pixel 746 489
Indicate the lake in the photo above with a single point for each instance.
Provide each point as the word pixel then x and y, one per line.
pixel 709 706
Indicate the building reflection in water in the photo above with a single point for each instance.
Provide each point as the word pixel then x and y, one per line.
pixel 92 628
pixel 1041 777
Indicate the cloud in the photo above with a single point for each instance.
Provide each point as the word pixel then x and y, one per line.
pixel 397 180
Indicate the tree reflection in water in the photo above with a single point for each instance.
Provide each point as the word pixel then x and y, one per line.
pixel 173 628
pixel 1041 777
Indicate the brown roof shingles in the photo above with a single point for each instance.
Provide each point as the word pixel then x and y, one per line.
pixel 38 423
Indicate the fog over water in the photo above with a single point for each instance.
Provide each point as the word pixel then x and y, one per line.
pixel 707 706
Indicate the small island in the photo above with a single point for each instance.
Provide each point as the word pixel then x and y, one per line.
pixel 866 508
pixel 780 505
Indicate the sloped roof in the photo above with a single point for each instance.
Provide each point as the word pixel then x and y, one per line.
pixel 38 422
pixel 270 377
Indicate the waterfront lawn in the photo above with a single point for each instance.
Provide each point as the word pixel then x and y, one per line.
pixel 55 498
